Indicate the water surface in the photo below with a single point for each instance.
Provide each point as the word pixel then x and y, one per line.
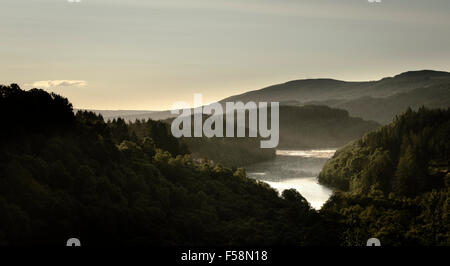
pixel 296 169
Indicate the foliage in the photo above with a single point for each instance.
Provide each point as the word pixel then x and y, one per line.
pixel 395 182
pixel 114 184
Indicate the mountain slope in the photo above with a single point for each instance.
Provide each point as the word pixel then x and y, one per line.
pixel 399 158
pixel 374 100
pixel 395 183
pixel 327 89
pixel 383 110
pixel 318 126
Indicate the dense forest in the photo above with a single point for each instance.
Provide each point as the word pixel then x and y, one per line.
pixel 64 175
pixel 394 182
pixel 112 183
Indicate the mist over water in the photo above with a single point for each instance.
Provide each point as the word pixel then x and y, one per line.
pixel 296 169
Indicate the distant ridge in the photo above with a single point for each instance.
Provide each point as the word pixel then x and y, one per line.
pixel 423 73
pixel 130 115
pixel 378 100
pixel 322 89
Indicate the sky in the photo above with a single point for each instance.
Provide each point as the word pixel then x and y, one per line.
pixel 148 54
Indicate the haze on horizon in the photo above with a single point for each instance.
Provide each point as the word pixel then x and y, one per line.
pixel 146 55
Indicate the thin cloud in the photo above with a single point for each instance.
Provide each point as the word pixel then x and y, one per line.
pixel 59 83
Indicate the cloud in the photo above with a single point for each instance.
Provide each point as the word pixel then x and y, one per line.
pixel 58 83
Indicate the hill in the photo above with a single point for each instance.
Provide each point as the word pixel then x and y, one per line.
pixel 395 182
pixel 383 110
pixel 396 158
pixel 304 127
pixel 328 89
pixel 318 126
pixel 372 100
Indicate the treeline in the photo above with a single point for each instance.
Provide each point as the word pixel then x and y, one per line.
pixel 21 111
pixel 64 175
pixel 395 182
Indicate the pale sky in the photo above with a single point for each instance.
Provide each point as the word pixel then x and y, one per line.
pixel 148 54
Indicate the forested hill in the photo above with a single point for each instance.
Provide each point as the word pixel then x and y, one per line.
pixel 64 175
pixel 301 127
pixel 395 183
pixel 318 126
pixel 408 157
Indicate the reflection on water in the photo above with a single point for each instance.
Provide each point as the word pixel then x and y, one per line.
pixel 296 169
pixel 307 153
